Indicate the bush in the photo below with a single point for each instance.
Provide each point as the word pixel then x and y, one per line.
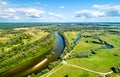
pixel 116 69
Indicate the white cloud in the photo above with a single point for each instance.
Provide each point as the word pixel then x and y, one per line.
pixel 9 17
pixel 9 10
pixel 110 10
pixel 3 3
pixel 18 13
pixel 31 12
pixel 56 15
pixel 106 7
pixel 61 7
pixel 89 13
pixel 100 11
pixel 16 17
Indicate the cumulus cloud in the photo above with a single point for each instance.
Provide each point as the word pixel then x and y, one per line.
pixel 106 7
pixel 9 17
pixel 110 10
pixel 30 12
pixel 100 11
pixel 89 13
pixel 3 3
pixel 9 10
pixel 16 17
pixel 56 15
pixel 61 7
pixel 18 13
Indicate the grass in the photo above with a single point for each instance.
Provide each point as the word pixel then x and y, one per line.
pixel 114 75
pixel 104 59
pixel 83 46
pixel 72 72
pixel 71 35
pixel 112 39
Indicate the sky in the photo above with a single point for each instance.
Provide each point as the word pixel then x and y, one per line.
pixel 59 10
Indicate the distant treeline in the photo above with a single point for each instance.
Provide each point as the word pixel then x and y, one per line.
pixel 19 25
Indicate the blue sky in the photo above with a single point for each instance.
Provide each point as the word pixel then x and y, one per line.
pixel 59 10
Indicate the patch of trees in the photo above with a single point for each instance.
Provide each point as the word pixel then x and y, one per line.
pixel 85 54
pixel 18 39
pixel 116 69
pixel 100 41
pixel 21 25
pixel 113 31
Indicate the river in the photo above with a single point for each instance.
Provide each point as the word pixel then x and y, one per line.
pixel 78 38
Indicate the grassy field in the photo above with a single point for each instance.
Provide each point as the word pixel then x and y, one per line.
pixel 82 45
pixel 71 35
pixel 68 71
pixel 104 59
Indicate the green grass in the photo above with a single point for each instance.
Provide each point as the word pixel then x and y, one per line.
pixel 114 75
pixel 83 46
pixel 102 61
pixel 71 35
pixel 112 39
pixel 72 72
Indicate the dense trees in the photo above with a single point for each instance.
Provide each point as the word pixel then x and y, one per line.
pixel 22 53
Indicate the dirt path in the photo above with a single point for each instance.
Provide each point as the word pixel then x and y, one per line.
pixel 65 63
pixel 100 73
pixel 49 74
pixel 67 55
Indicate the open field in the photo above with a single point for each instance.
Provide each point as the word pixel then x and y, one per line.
pixel 104 59
pixel 72 72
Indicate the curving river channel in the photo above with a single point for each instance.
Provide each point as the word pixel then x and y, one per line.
pixel 38 63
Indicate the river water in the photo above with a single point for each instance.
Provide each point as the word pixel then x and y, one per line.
pixel 59 45
pixel 78 38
